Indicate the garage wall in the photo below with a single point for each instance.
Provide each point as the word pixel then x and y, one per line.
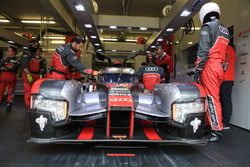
pixel 232 13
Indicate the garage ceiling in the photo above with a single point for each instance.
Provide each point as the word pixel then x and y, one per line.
pixel 145 8
pixel 65 17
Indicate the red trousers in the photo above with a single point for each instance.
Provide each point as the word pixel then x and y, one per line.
pixel 211 79
pixel 7 80
pixel 27 88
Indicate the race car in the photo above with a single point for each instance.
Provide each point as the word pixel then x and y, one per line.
pixel 117 111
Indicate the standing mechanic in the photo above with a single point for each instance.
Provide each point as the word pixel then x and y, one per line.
pixel 65 57
pixel 32 64
pixel 226 87
pixel 165 61
pixel 210 61
pixel 43 62
pixel 150 74
pixel 9 67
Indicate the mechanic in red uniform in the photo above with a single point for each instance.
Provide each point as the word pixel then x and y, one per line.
pixel 9 67
pixel 32 64
pixel 43 62
pixel 226 87
pixel 165 61
pixel 150 74
pixel 211 57
pixel 65 57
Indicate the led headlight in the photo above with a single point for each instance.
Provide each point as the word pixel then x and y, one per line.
pixel 181 110
pixel 58 109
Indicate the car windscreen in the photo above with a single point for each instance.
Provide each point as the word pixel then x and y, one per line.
pixel 114 78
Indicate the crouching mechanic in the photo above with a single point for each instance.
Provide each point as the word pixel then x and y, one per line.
pixel 9 68
pixel 33 65
pixel 211 58
pixel 150 74
pixel 65 57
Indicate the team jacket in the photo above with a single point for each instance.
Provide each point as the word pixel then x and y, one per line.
pixel 35 64
pixel 64 58
pixel 213 43
pixel 10 64
pixel 231 57
pixel 150 69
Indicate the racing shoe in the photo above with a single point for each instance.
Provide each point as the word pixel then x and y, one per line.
pixel 214 136
pixel 8 107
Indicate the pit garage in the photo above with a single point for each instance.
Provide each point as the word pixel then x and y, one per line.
pixel 117 83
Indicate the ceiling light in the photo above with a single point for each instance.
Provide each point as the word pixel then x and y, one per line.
pixel 54 37
pixel 49 49
pixel 37 22
pixel 196 28
pixel 99 50
pixel 113 27
pixel 25 47
pixel 147 51
pixel 143 28
pixel 11 41
pixel 97 44
pixel 88 25
pixel 185 13
pixel 80 7
pixel 114 50
pixel 109 39
pixel 190 43
pixel 130 40
pixel 58 42
pixel 4 21
pixel 93 37
pixel 152 46
pixel 160 40
pixel 170 30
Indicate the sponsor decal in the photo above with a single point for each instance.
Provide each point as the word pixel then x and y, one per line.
pixel 60 48
pixel 120 137
pixel 121 99
pixel 151 69
pixel 41 121
pixel 195 123
pixel 212 111
pixel 224 30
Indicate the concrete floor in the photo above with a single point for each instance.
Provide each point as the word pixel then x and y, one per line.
pixel 232 150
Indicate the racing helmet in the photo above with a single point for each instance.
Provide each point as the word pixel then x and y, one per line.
pixel 209 11
pixel 117 63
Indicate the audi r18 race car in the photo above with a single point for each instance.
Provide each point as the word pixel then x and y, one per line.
pixel 117 111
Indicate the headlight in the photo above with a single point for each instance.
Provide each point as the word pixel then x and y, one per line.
pixel 58 109
pixel 181 110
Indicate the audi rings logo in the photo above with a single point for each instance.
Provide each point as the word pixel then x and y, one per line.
pixel 224 30
pixel 151 69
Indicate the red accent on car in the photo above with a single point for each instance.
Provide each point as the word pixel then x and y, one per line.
pixel 150 131
pixel 201 89
pixel 121 100
pixel 87 132
pixel 36 86
pixel 119 155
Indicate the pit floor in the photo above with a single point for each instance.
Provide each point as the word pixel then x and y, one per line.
pixel 232 150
